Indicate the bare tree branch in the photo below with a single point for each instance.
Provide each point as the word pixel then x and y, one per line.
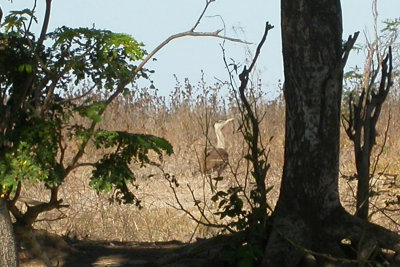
pixel 183 34
pixel 190 32
pixel 208 2
pixel 32 17
pixel 347 48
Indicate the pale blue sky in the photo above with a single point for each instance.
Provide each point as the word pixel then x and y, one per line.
pixel 152 21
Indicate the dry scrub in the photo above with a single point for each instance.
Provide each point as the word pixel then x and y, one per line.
pixel 185 118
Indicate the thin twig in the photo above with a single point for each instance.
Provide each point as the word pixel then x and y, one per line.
pixel 382 148
pixel 31 19
pixel 208 2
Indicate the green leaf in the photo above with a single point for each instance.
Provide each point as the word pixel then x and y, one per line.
pixel 33 154
pixel 25 68
pixel 92 111
pixel 113 171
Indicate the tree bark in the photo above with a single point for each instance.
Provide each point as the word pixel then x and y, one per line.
pixel 309 217
pixel 363 190
pixel 8 251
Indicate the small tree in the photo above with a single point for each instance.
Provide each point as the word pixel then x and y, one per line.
pixel 361 129
pixel 38 108
pixel 365 104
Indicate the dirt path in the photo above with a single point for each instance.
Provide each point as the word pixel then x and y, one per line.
pixel 98 254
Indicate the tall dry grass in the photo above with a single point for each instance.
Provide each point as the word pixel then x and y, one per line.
pixel 185 118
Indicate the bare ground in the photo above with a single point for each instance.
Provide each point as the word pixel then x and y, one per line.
pixel 98 253
pixel 79 253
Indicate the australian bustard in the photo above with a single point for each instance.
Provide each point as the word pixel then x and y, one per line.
pixel 216 159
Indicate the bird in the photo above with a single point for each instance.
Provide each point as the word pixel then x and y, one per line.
pixel 217 158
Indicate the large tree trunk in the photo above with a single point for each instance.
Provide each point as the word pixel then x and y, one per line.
pixel 308 215
pixel 8 249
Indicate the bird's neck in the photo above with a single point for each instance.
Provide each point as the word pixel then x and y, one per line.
pixel 220 138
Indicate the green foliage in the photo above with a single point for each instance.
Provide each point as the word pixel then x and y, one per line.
pixel 391 26
pixel 16 20
pixel 354 78
pixel 104 57
pixel 16 61
pixel 92 111
pixel 247 210
pixel 33 155
pixel 113 169
pixel 40 79
pixel 133 145
pixel 230 205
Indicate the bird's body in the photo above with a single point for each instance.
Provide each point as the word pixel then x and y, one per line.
pixel 216 159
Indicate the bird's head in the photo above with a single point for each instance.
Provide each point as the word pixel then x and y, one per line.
pixel 221 123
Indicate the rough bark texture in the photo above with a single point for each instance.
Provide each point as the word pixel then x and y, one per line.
pixel 363 176
pixel 8 252
pixel 312 49
pixel 309 216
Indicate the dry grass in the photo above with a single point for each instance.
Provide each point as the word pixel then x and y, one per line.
pixel 184 118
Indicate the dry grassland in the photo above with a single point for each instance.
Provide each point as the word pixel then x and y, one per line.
pixel 183 118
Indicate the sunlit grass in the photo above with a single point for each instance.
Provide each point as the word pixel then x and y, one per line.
pixel 185 118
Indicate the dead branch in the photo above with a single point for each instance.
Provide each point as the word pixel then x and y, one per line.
pixel 382 148
pixel 140 67
pixel 183 34
pixel 260 170
pixel 181 207
pixel 360 125
pixel 208 2
pixel 190 32
pixel 347 48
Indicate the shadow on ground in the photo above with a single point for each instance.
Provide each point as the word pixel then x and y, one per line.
pixel 84 253
pixel 98 254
